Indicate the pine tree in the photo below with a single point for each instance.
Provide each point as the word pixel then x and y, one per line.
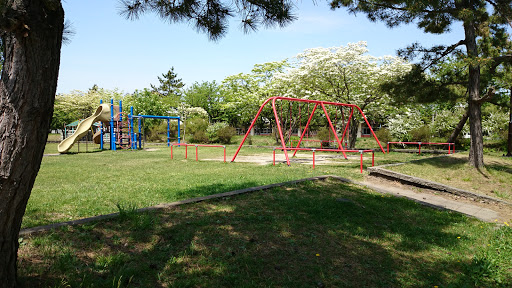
pixel 484 20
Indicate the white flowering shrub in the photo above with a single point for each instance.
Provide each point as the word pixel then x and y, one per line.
pixel 495 123
pixel 213 129
pixel 446 120
pixel 401 125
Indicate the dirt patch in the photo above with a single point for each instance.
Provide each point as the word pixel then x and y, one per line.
pixel 300 158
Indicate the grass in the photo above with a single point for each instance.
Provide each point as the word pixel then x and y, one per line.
pixel 322 234
pixel 494 180
pixel 79 185
pixel 73 186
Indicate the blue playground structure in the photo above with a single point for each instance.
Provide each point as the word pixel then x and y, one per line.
pixel 121 128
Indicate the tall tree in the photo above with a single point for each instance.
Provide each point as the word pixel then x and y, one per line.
pixel 479 18
pixel 31 32
pixel 170 87
pixel 206 95
pixel 244 94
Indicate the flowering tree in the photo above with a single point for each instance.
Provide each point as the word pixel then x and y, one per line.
pixel 344 74
pixel 77 104
pixel 244 93
pixel 186 111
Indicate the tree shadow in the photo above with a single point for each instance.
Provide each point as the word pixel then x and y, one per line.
pixel 320 234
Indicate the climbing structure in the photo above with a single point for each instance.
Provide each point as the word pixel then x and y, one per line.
pixel 123 130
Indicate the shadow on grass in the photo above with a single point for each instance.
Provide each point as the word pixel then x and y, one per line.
pixel 499 168
pixel 319 234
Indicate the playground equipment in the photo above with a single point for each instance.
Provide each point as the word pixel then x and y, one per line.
pixel 196 145
pixel 425 143
pixel 317 103
pixel 329 150
pixel 102 113
pixel 118 125
pixel 140 118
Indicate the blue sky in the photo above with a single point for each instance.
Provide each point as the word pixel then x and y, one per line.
pixel 113 52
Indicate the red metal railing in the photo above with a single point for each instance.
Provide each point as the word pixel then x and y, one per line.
pixel 425 143
pixel 327 150
pixel 197 146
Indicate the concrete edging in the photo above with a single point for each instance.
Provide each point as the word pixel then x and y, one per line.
pixel 419 182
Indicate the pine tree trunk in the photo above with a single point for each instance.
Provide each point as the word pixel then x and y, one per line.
pixel 32 38
pixel 459 127
pixel 476 152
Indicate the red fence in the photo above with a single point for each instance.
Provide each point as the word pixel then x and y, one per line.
pixel 327 150
pixel 426 143
pixel 197 146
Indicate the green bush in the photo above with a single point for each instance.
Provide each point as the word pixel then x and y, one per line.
pixel 383 135
pixel 199 137
pixel 421 134
pixel 196 124
pixel 157 133
pixel 213 129
pixel 225 134
pixel 324 135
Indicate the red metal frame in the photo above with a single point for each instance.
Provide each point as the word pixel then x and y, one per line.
pixel 196 145
pixel 425 143
pixel 316 102
pixel 327 150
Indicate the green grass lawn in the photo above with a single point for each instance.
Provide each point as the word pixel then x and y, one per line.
pixel 315 234
pixel 73 186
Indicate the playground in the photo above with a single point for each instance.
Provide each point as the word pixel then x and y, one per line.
pixel 303 233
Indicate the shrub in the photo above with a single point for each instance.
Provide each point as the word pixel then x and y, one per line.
pixel 196 124
pixel 383 135
pixel 400 125
pixel 225 134
pixel 421 134
pixel 157 133
pixel 199 137
pixel 324 135
pixel 213 129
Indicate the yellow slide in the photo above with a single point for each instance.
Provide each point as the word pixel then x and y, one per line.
pixel 101 114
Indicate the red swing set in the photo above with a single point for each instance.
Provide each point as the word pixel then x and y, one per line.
pixel 317 103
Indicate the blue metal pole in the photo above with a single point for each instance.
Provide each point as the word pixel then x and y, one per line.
pixel 179 131
pixel 101 130
pixel 120 110
pixel 168 134
pixel 159 117
pixel 140 136
pixel 132 133
pixel 112 134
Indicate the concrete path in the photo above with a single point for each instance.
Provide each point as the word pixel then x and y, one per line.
pixel 434 201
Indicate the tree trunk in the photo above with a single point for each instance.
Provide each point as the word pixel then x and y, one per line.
pixel 459 127
pixel 32 35
pixel 354 126
pixel 476 152
pixel 509 146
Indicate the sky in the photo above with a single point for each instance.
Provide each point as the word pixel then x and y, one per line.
pixel 115 53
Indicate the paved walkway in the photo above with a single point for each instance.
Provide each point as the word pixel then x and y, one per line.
pixel 439 202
